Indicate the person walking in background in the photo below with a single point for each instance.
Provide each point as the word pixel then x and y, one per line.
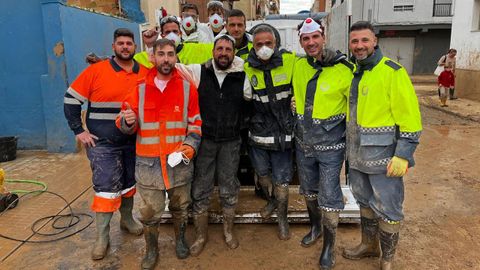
pixel 446 82
pixel 450 60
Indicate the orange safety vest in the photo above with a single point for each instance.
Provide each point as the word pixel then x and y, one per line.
pixel 166 120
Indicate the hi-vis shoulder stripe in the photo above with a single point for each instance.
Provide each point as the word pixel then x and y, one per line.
pixel 113 105
pixel 76 95
pixel 71 101
pixel 103 116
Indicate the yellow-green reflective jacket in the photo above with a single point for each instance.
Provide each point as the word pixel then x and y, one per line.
pixel 271 124
pixel 143 59
pixel 321 91
pixel 384 116
pixel 243 52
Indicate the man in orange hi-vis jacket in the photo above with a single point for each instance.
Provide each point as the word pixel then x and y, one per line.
pixel 164 112
pixel 104 86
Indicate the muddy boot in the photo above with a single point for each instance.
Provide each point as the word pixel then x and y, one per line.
pixel 452 93
pixel 103 229
pixel 127 222
pixel 201 227
pixel 281 194
pixel 180 226
pixel 228 219
pixel 330 223
pixel 369 247
pixel 151 246
pixel 389 235
pixel 315 215
pixel 265 183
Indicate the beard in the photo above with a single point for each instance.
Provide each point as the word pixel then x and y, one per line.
pixel 165 68
pixel 223 62
pixel 122 57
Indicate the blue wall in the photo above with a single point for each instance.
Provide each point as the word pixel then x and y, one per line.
pixel 46 43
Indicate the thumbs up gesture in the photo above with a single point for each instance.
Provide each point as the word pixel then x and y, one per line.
pixel 128 114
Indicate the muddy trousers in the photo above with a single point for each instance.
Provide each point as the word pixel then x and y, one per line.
pixel 152 206
pixel 216 160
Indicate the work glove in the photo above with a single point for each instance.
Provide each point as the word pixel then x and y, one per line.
pixel 397 167
pixel 187 150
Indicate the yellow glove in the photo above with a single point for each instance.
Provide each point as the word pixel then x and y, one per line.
pixel 397 167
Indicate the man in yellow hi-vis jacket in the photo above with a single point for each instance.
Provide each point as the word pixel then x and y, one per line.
pixel 383 130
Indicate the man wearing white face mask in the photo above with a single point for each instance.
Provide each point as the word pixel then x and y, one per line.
pixel 187 53
pixel 216 15
pixel 270 131
pixel 191 29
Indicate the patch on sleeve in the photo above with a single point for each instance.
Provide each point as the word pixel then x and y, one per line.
pixel 393 65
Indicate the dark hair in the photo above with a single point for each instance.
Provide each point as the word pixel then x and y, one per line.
pixel 452 50
pixel 236 13
pixel 123 32
pixel 362 25
pixel 224 37
pixel 264 29
pixel 190 6
pixel 168 19
pixel 162 43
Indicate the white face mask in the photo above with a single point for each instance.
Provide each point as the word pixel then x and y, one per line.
pixel 188 24
pixel 215 21
pixel 173 37
pixel 264 53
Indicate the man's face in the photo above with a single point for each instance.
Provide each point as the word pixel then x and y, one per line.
pixel 263 39
pixel 124 48
pixel 236 27
pixel 312 43
pixel 223 54
pixel 171 27
pixel 362 43
pixel 190 13
pixel 165 59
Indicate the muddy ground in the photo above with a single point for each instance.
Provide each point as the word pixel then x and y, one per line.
pixel 441 228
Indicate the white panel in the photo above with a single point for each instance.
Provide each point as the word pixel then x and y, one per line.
pixel 399 49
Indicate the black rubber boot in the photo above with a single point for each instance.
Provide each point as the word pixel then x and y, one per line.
pixel 315 215
pixel 103 235
pixel 370 246
pixel 452 93
pixel 127 221
pixel 281 195
pixel 180 226
pixel 201 228
pixel 265 183
pixel 228 221
pixel 330 223
pixel 389 235
pixel 151 247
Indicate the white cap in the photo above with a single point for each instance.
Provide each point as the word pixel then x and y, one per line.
pixel 224 35
pixel 310 26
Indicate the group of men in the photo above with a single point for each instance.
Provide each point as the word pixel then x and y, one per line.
pixel 159 127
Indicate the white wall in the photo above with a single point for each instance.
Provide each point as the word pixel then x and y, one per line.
pixel 464 39
pixel 381 12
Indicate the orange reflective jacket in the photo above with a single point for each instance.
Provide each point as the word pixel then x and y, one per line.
pixel 165 120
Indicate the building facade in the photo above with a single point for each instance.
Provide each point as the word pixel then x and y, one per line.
pixel 412 32
pixel 466 39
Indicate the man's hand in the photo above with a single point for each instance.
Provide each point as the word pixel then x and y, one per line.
pixel 149 37
pixel 92 58
pixel 187 150
pixel 397 167
pixel 293 106
pixel 129 115
pixel 87 139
